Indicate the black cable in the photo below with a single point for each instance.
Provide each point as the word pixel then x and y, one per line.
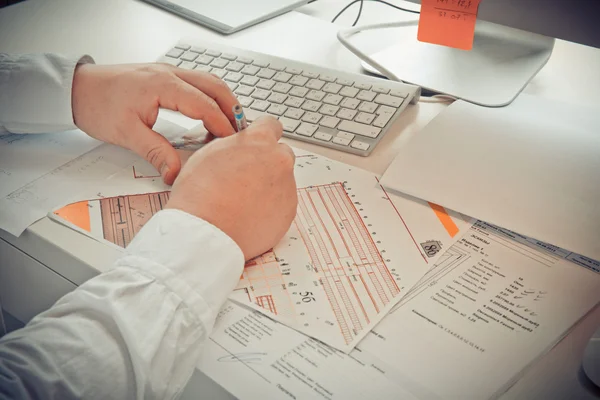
pixel 376 1
pixel 359 13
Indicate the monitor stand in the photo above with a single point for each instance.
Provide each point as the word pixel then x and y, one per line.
pixel 503 60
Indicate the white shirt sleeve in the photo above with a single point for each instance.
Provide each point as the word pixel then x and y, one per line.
pixel 35 92
pixel 136 331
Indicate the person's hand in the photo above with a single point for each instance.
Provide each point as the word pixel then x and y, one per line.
pixel 119 105
pixel 244 185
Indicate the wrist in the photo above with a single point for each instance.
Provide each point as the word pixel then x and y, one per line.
pixel 79 90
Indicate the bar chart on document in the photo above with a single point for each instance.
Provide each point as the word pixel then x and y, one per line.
pixel 345 262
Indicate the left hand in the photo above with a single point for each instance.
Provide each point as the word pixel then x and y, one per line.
pixel 119 104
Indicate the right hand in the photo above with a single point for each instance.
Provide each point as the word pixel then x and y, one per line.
pixel 244 185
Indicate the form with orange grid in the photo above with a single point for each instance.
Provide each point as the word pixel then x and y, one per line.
pixel 350 255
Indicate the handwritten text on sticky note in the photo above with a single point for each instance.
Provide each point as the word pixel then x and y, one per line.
pixel 448 22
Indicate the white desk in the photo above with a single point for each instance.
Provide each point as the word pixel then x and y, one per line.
pixel 49 259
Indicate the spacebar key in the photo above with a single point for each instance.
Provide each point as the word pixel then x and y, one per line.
pixel 359 129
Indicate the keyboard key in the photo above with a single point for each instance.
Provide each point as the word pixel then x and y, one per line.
pixel 367 106
pixel 345 82
pixel 399 93
pixel 233 77
pixel 298 80
pixel 312 117
pixel 294 113
pixel 298 91
pixel 219 63
pixel 364 118
pixel 245 60
pixel 341 141
pixel 360 145
pixel 294 101
pixel 384 114
pixel 278 98
pixel 213 53
pixel 245 101
pixel 235 66
pixel 277 67
pixel 359 129
pixel 392 101
pixel 326 137
pixel 366 95
pixel 231 85
pixel 218 72
pixel 293 70
pixel 250 80
pixel 316 95
pixel 183 46
pixel 310 74
pixel 187 65
pixel 245 90
pixel 261 64
pixel 332 88
pixel 329 109
pixel 261 94
pixel 203 68
pixel 282 87
pixel 266 73
pixel 345 135
pixel 204 59
pixel 253 115
pixel 265 84
pixel 174 53
pixel 310 105
pixel 328 77
pixel 362 86
pixel 350 103
pixel 346 113
pixel 348 91
pixel 189 56
pixel 380 89
pixel 385 110
pixel 289 125
pixel 277 109
pixel 306 129
pixel 172 61
pixel 229 57
pixel 260 105
pixel 315 84
pixel 332 99
pixel 197 49
pixel 282 77
pixel 329 122
pixel 250 70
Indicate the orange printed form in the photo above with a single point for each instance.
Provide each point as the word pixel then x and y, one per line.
pixel 448 22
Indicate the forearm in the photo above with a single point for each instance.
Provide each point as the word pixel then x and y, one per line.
pixel 35 92
pixel 135 331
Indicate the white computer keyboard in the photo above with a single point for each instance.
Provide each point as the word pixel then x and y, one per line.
pixel 347 112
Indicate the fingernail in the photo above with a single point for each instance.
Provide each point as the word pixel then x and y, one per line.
pixel 164 170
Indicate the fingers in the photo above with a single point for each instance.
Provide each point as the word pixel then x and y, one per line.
pixel 213 87
pixel 267 127
pixel 193 103
pixel 157 151
pixel 289 153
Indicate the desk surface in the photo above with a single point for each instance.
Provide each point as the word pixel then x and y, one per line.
pixel 117 31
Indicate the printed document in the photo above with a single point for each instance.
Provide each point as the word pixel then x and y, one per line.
pixel 350 255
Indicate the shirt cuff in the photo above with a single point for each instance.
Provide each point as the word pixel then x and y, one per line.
pixel 188 254
pixel 37 92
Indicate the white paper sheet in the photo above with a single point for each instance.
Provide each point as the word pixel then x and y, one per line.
pixel 351 253
pixel 532 167
pixel 493 305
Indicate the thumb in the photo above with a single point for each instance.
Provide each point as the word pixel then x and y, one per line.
pixel 157 151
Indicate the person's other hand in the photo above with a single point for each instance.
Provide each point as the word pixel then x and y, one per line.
pixel 119 104
pixel 244 185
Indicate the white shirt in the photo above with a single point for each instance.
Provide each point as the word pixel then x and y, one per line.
pixel 136 331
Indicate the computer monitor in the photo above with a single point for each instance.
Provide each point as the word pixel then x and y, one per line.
pixel 513 41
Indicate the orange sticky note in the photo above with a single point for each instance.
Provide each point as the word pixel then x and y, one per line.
pixel 448 22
